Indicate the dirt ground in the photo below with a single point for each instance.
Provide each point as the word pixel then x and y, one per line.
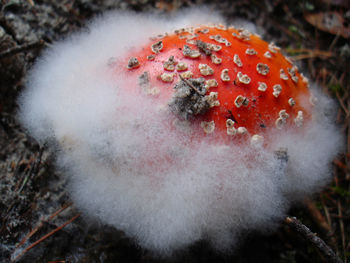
pixel 38 222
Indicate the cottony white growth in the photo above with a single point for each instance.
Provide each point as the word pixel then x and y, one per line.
pixel 205 191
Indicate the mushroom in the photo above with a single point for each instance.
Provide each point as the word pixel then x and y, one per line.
pixel 198 133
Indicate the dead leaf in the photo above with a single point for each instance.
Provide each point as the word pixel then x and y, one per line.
pixel 331 22
pixel 167 6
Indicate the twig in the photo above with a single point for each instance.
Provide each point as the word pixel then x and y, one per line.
pixel 317 242
pixel 189 84
pixel 347 157
pixel 340 214
pixel 34 169
pixel 317 216
pixel 44 237
pixel 309 53
pixel 341 225
pixel 341 217
pixel 17 49
pixel 335 40
pixel 342 105
pixel 321 221
pixel 326 212
pixel 340 164
pixel 64 207
pixel 31 233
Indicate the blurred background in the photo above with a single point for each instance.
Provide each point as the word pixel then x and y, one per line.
pixel 39 223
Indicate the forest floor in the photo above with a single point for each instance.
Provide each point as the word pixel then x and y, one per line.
pixel 39 223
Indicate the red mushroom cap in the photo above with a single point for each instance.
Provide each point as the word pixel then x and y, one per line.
pixel 226 80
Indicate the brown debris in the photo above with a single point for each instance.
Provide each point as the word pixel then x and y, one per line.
pixel 331 22
pixel 189 98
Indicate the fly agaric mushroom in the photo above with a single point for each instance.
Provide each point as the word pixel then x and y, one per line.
pixel 224 78
pixel 155 134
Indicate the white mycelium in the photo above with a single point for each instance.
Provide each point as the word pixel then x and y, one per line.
pixel 130 170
